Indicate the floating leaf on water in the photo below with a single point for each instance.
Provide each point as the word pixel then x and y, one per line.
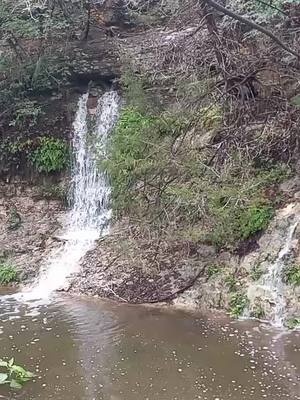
pixel 295 101
pixel 3 363
pixel 11 362
pixel 3 378
pixel 15 384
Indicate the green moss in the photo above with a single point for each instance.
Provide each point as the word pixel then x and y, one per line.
pixel 292 275
pixel 8 273
pixel 238 303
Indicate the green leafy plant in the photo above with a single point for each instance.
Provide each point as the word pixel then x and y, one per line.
pixel 8 273
pixel 256 272
pixel 292 275
pixel 293 323
pixel 129 148
pixel 231 282
pixel 134 87
pixel 51 155
pixel 255 219
pixel 213 270
pixel 238 303
pixel 14 375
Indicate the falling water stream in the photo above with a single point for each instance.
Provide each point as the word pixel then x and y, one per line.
pixel 86 349
pixel 90 213
pixel 271 286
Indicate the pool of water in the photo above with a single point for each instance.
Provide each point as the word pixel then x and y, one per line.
pixel 85 349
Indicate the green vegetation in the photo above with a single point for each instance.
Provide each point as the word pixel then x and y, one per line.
pixel 14 375
pixel 135 154
pixel 51 155
pixel 293 323
pixel 157 175
pixel 238 304
pixel 211 117
pixel 8 273
pixel 256 272
pixel 27 113
pixel 258 312
pixel 231 282
pixel 292 275
pixel 213 270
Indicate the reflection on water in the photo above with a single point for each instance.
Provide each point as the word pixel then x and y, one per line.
pixel 86 349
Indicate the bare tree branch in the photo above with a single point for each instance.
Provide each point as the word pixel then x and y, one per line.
pixel 252 24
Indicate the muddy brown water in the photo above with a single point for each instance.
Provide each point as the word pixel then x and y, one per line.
pixel 85 349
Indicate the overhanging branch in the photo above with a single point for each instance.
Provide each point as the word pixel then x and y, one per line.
pixel 252 24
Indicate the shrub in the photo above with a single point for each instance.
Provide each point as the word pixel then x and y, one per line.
pixel 255 219
pixel 130 154
pixel 238 303
pixel 237 213
pixel 8 273
pixel 292 275
pixel 134 88
pixel 51 155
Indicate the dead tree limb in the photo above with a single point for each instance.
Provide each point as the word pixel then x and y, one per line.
pixel 252 24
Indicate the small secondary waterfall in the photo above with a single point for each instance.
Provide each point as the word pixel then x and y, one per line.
pixel 271 285
pixel 89 216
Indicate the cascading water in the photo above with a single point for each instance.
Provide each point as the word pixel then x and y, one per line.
pixel 271 286
pixel 89 216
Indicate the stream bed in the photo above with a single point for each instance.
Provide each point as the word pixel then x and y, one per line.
pixel 85 349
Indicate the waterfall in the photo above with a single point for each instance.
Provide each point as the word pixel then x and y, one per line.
pixel 89 216
pixel 270 287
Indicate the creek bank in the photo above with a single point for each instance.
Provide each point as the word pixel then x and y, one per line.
pixel 29 224
pixel 125 267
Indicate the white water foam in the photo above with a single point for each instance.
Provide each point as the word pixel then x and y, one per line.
pixel 90 214
pixel 271 284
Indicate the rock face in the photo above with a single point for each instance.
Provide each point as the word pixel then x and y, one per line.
pixel 259 276
pixel 28 227
pixel 278 250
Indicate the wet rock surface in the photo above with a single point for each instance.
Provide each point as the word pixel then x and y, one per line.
pixel 28 227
